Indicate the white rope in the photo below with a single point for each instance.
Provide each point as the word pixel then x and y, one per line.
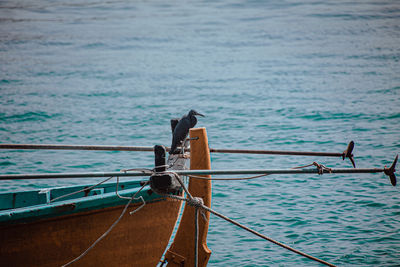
pixel 196 236
pixel 109 178
pixel 228 179
pixel 122 197
pixel 82 190
pixel 178 178
pixel 144 170
pixel 320 167
pixel 116 190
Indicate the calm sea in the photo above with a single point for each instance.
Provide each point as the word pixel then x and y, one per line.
pixel 289 75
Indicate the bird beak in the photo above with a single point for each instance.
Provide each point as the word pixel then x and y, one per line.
pixel 199 114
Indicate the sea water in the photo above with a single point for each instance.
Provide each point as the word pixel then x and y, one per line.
pixel 278 75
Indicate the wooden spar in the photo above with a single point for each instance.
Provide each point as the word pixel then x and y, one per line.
pixel 151 149
pixel 182 250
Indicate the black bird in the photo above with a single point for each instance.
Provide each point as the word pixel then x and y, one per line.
pixel 181 130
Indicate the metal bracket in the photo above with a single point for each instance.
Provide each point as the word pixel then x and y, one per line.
pixel 348 153
pixel 47 192
pixel 390 171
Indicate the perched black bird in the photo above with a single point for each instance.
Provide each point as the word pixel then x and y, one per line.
pixel 181 130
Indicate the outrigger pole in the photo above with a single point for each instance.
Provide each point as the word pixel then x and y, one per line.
pixel 77 147
pixel 348 153
pixel 345 154
pixel 388 171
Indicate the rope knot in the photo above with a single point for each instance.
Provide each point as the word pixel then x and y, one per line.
pixel 196 202
pixel 321 168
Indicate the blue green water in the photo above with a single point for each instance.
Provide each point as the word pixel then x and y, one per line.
pixel 292 75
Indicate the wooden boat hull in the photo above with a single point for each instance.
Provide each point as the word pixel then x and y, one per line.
pixel 37 228
pixel 137 240
pixel 49 233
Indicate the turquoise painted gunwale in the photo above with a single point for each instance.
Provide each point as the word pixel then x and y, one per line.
pixel 30 206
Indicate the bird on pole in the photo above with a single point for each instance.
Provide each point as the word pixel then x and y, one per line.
pixel 181 130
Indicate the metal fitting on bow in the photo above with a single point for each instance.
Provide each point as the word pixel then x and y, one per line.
pixel 390 171
pixel 348 153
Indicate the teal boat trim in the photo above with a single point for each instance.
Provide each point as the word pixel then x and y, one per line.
pixel 28 206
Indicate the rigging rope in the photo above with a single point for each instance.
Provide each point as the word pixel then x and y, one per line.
pixel 82 190
pixel 320 167
pixel 197 203
pixel 228 179
pixel 196 236
pixel 144 170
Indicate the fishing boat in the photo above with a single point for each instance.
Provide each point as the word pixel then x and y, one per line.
pixel 87 225
pixel 52 227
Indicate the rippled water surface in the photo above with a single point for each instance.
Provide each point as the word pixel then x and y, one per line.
pixel 290 75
